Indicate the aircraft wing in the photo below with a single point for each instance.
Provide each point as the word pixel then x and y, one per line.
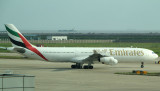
pixel 92 58
pixel 13 49
pixel 89 59
pixel 5 48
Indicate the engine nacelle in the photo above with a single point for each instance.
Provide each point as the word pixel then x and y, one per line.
pixel 109 60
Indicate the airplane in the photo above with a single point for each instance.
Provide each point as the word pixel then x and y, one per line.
pixel 78 55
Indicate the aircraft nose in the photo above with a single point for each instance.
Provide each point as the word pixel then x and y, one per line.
pixel 155 56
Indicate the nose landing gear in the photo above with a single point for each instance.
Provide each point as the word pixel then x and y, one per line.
pixel 142 64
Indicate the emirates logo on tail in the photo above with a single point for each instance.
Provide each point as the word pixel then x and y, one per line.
pixel 18 40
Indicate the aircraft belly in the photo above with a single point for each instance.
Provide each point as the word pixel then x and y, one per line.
pixel 59 58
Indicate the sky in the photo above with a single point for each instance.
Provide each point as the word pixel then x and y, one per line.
pixel 81 15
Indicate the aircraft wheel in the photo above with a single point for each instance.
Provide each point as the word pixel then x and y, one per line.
pixel 85 67
pixel 73 66
pixel 90 67
pixel 142 66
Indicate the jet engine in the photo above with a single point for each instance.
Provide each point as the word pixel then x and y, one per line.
pixel 108 60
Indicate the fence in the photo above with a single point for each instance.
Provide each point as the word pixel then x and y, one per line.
pixel 64 41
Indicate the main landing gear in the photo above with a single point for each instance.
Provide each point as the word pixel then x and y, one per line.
pixel 88 67
pixel 79 66
pixel 142 64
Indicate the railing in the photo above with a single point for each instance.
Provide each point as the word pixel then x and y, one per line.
pixel 64 41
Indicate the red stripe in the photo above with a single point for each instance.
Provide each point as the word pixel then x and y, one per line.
pixel 30 47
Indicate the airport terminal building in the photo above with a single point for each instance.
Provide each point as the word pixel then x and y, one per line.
pixel 56 37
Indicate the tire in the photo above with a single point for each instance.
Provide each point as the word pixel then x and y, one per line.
pixel 142 66
pixel 85 67
pixel 73 66
pixel 133 71
pixel 90 67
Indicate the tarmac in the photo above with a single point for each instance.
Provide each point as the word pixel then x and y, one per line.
pixel 52 76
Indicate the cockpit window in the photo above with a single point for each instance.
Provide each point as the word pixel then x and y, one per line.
pixel 153 53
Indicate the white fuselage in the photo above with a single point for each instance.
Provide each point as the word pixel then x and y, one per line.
pixel 75 54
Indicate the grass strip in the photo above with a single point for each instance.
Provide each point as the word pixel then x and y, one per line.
pixel 12 57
